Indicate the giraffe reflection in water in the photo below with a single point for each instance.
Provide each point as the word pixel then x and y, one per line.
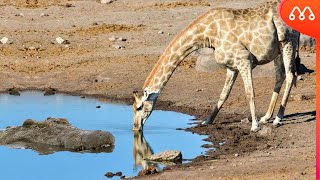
pixel 141 150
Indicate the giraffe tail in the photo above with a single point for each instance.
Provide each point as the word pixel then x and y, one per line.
pixel 297 61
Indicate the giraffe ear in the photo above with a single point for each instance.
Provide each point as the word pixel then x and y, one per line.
pixel 138 100
pixel 135 95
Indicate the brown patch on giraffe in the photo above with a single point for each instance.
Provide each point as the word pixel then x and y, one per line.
pixel 211 33
pixel 156 80
pixel 227 45
pixel 175 47
pixel 264 31
pixel 223 24
pixel 257 41
pixel 208 20
pixel 252 26
pixel 231 24
pixel 185 40
pixel 232 38
pixel 201 28
pixel 262 24
pixel 238 31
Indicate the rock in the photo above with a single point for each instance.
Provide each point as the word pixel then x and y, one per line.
pixel 167 156
pixel 98 107
pixel 49 91
pixel 112 39
pixel 299 97
pixel 43 14
pixel 150 170
pixel 118 174
pixel 106 1
pixel 206 61
pixel 115 38
pixel 32 48
pixel 4 40
pixel 116 46
pixel 109 174
pixel 160 32
pixel 28 123
pixel 236 155
pixel 21 15
pixel 122 39
pixel 14 91
pixel 66 42
pixel 245 121
pixel 144 172
pixel 59 40
pixel 266 131
pixel 56 134
pixel 69 5
pixel 206 51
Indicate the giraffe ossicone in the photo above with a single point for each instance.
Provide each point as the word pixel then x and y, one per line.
pixel 241 39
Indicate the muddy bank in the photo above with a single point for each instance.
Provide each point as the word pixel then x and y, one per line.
pixel 56 134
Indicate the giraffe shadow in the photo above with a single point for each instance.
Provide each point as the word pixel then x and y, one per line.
pixel 302 69
pixel 297 118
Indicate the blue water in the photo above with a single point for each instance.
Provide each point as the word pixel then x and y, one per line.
pixel 160 134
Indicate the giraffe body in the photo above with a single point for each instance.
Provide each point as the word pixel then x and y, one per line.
pixel 242 39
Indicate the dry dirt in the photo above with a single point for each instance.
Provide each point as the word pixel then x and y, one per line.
pixel 90 65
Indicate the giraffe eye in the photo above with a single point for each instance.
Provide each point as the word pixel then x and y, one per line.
pixel 139 108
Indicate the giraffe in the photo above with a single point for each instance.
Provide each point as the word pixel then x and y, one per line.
pixel 242 39
pixel 141 150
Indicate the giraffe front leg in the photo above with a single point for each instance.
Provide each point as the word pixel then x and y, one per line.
pixel 280 76
pixel 246 74
pixel 231 78
pixel 288 60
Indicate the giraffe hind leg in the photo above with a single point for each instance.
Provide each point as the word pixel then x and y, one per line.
pixel 230 79
pixel 288 59
pixel 280 76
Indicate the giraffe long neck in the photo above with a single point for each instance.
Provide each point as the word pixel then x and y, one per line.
pixel 189 40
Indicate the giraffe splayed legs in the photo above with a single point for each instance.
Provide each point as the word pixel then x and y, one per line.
pixel 242 39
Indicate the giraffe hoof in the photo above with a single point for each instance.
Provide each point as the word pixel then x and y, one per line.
pixel 204 123
pixel 277 124
pixel 255 129
pixel 263 120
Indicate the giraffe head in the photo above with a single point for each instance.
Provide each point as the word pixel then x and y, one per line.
pixel 142 108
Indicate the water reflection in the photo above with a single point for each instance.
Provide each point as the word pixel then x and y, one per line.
pixel 141 150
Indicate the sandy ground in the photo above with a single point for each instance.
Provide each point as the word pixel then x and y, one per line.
pixel 90 65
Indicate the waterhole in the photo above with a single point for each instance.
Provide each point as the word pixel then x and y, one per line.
pixel 159 134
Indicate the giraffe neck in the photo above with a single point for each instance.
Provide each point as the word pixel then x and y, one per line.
pixel 189 40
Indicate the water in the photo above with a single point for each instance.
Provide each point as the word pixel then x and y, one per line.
pixel 160 134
